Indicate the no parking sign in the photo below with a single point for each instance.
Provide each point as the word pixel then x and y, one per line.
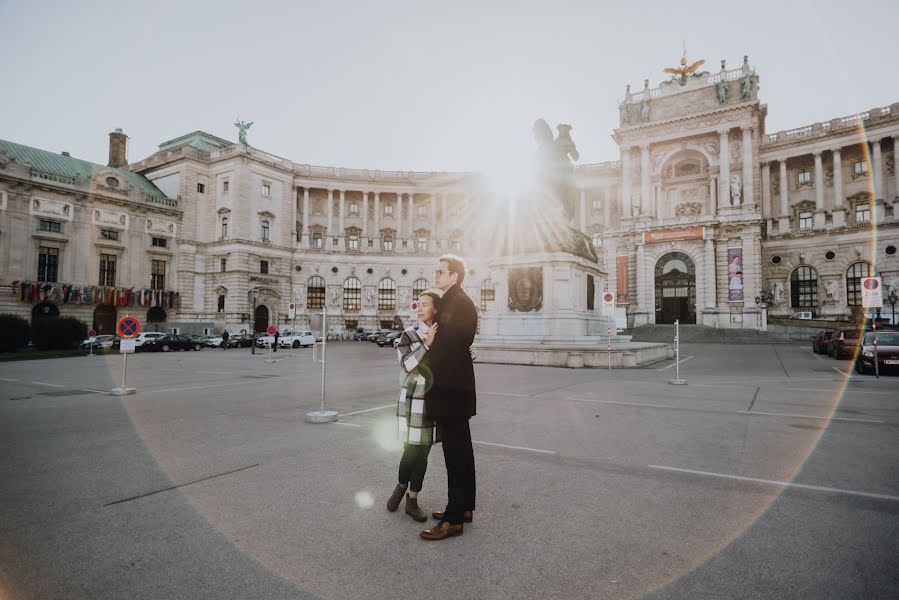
pixel 872 297
pixel 608 304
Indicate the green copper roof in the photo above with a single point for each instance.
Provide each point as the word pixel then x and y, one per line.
pixel 200 140
pixel 67 166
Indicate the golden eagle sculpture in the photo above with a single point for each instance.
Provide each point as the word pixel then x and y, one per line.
pixel 684 70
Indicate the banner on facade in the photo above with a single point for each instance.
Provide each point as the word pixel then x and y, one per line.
pixel 673 235
pixel 621 279
pixel 735 274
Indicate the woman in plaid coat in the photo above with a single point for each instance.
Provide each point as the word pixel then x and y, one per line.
pixel 415 431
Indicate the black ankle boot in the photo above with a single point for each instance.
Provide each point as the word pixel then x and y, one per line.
pixel 393 502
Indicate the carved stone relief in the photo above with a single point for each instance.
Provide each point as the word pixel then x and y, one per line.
pixel 526 289
pixel 110 218
pixel 51 208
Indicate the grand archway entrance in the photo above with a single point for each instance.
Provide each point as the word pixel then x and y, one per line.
pixel 156 314
pixel 44 310
pixel 105 319
pixel 260 319
pixel 675 277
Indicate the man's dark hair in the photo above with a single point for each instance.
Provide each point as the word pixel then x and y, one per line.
pixel 456 265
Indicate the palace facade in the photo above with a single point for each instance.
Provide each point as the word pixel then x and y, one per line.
pixel 704 217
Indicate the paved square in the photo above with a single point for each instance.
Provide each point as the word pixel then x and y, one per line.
pixel 758 479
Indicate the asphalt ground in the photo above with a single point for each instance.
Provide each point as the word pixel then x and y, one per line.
pixel 771 474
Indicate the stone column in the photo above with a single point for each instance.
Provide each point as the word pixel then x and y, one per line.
pixel 724 170
pixel 330 210
pixel 583 210
pixel 877 159
pixel 783 225
pixel 341 230
pixel 766 190
pixel 896 177
pixel 411 234
pixel 364 214
pixel 645 180
pixel 626 183
pixel 399 220
pixel 433 219
pixel 642 311
pixel 819 191
pixel 713 195
pixel 606 211
pixel 306 217
pixel 377 232
pixel 839 211
pixel 711 285
pixel 748 187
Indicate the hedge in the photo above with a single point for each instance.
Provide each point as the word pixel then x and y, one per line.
pixel 56 333
pixel 14 333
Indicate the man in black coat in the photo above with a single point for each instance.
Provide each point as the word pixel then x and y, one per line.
pixel 451 401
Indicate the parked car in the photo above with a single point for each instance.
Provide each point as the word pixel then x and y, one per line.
pixel 296 339
pixel 387 339
pixel 374 336
pixel 820 342
pixel 101 341
pixel 240 340
pixel 887 352
pixel 213 341
pixel 144 337
pixel 843 343
pixel 170 343
pixel 360 336
pixel 804 316
pixel 265 340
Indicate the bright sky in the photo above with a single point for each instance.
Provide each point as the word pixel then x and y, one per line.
pixel 412 84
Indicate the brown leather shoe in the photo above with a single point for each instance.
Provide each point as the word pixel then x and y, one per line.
pixel 467 516
pixel 441 531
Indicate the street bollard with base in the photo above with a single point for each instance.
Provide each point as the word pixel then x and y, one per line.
pixel 322 415
pixel 126 347
pixel 677 380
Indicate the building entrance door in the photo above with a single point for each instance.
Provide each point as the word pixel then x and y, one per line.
pixel 675 283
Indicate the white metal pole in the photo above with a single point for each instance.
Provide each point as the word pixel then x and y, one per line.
pixel 124 368
pixel 610 347
pixel 324 352
pixel 677 349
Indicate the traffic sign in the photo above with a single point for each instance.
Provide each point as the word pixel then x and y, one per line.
pixel 291 310
pixel 872 296
pixel 271 330
pixel 91 333
pixel 608 304
pixel 127 346
pixel 128 327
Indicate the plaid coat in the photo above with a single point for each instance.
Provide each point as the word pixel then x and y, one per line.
pixel 413 427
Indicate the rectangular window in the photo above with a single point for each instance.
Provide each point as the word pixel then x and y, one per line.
pixel 597 204
pixel 457 245
pixel 157 274
pixel 422 244
pixel 353 243
pixel 862 213
pixel 224 226
pixel 371 243
pixel 201 188
pixel 160 242
pixel 109 234
pixel 388 244
pixel 597 240
pixel 263 266
pixel 225 186
pixel 334 241
pixel 221 303
pixel 316 240
pixel 860 167
pixel 266 189
pixel 354 208
pixel 388 209
pixel 107 269
pixel 47 264
pixel 223 264
pixel 805 220
pixel 804 177
pixel 265 231
pixel 51 226
pixel 422 211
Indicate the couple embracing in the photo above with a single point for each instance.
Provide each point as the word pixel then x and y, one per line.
pixel 437 399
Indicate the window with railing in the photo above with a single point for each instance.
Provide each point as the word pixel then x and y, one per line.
pixel 47 264
pixel 107 269
pixel 315 293
pixel 352 294
pixel 157 274
pixel 854 276
pixel 804 288
pixel 387 294
pixel 862 213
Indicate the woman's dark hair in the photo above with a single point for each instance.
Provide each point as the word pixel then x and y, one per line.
pixel 434 296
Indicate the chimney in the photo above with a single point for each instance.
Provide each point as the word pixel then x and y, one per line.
pixel 118 149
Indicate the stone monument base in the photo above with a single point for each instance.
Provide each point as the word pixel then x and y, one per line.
pixel 585 353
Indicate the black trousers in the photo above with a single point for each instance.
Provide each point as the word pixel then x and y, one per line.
pixel 460 475
pixel 413 466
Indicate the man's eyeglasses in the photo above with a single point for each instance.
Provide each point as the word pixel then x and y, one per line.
pixel 439 273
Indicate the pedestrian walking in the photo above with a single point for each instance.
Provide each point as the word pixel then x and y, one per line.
pixel 225 337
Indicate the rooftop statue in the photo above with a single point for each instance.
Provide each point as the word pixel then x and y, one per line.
pixel 554 160
pixel 681 73
pixel 242 127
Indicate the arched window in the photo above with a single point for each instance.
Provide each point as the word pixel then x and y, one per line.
pixel 804 288
pixel 387 294
pixel 488 293
pixel 418 287
pixel 352 294
pixel 315 293
pixel 854 282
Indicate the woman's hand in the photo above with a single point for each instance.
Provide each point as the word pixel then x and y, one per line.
pixel 432 333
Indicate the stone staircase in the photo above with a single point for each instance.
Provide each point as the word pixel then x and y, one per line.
pixel 703 334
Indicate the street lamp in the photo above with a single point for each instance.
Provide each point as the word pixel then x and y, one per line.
pixel 762 300
pixel 255 293
pixel 892 299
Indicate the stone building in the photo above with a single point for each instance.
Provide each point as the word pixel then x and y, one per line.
pixel 81 239
pixel 703 217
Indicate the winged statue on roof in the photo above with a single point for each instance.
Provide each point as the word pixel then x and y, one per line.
pixel 683 71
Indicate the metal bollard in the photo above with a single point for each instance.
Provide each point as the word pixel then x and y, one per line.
pixel 322 415
pixel 677 380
